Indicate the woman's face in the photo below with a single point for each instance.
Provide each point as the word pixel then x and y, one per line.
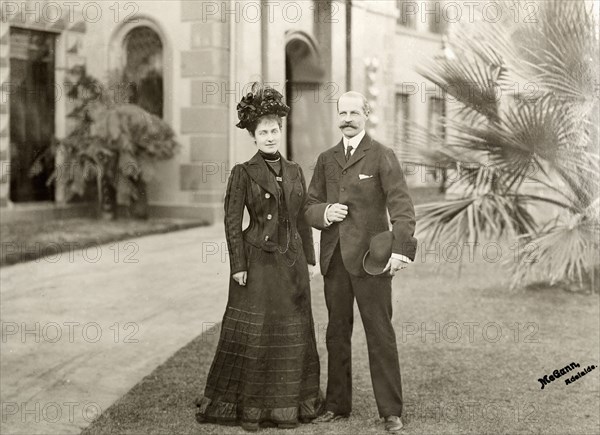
pixel 268 136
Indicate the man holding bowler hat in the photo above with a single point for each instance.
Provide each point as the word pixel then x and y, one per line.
pixel 354 186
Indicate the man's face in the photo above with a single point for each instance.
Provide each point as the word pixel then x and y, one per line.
pixel 351 116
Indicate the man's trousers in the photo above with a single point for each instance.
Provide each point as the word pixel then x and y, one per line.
pixel 374 299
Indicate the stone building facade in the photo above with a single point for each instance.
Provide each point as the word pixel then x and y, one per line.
pixel 192 60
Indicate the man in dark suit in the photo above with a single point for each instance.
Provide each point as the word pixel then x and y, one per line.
pixel 354 186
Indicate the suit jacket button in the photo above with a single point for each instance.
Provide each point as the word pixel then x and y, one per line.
pixel 344 172
pixel 343 189
pixel 269 216
pixel 266 238
pixel 267 195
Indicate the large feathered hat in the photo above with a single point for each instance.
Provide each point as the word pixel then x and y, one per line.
pixel 260 101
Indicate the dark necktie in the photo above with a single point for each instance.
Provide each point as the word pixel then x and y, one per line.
pixel 348 152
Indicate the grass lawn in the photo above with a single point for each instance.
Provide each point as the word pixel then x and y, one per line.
pixel 29 240
pixel 471 352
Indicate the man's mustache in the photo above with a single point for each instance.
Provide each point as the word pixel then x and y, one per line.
pixel 346 125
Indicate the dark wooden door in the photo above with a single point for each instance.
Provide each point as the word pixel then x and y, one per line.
pixel 307 125
pixel 32 109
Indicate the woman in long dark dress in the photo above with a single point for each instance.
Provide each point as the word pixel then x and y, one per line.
pixel 266 367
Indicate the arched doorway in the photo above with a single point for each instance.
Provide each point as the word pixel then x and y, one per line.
pixel 308 120
pixel 144 69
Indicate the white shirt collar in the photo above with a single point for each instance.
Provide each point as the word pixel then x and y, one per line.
pixel 353 141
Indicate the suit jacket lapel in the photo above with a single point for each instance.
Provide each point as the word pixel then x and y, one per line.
pixel 362 147
pixel 340 155
pixel 258 171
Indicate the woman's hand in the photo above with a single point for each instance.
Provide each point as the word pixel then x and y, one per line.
pixel 240 277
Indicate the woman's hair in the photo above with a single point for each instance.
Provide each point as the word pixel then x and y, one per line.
pixel 262 102
pixel 253 125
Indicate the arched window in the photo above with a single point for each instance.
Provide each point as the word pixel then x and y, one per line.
pixel 144 69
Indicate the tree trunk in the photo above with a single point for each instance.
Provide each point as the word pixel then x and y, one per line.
pixel 139 207
pixel 107 197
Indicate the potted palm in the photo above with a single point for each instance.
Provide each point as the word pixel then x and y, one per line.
pixel 113 146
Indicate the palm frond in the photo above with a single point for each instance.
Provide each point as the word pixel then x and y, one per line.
pixel 470 82
pixel 566 251
pixel 430 149
pixel 557 51
pixel 472 218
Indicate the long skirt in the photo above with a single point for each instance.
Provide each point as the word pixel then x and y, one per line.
pixel 266 367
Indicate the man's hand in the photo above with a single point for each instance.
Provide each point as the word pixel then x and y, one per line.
pixel 337 212
pixel 394 265
pixel 240 277
pixel 311 271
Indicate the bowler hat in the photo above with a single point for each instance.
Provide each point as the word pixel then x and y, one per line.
pixel 379 253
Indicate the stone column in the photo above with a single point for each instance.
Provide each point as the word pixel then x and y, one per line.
pixel 204 118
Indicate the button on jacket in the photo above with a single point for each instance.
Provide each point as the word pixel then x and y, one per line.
pixel 252 186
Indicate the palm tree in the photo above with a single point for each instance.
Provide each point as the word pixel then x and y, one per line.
pixel 522 136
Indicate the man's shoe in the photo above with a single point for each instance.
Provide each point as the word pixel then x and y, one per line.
pixel 393 424
pixel 329 417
